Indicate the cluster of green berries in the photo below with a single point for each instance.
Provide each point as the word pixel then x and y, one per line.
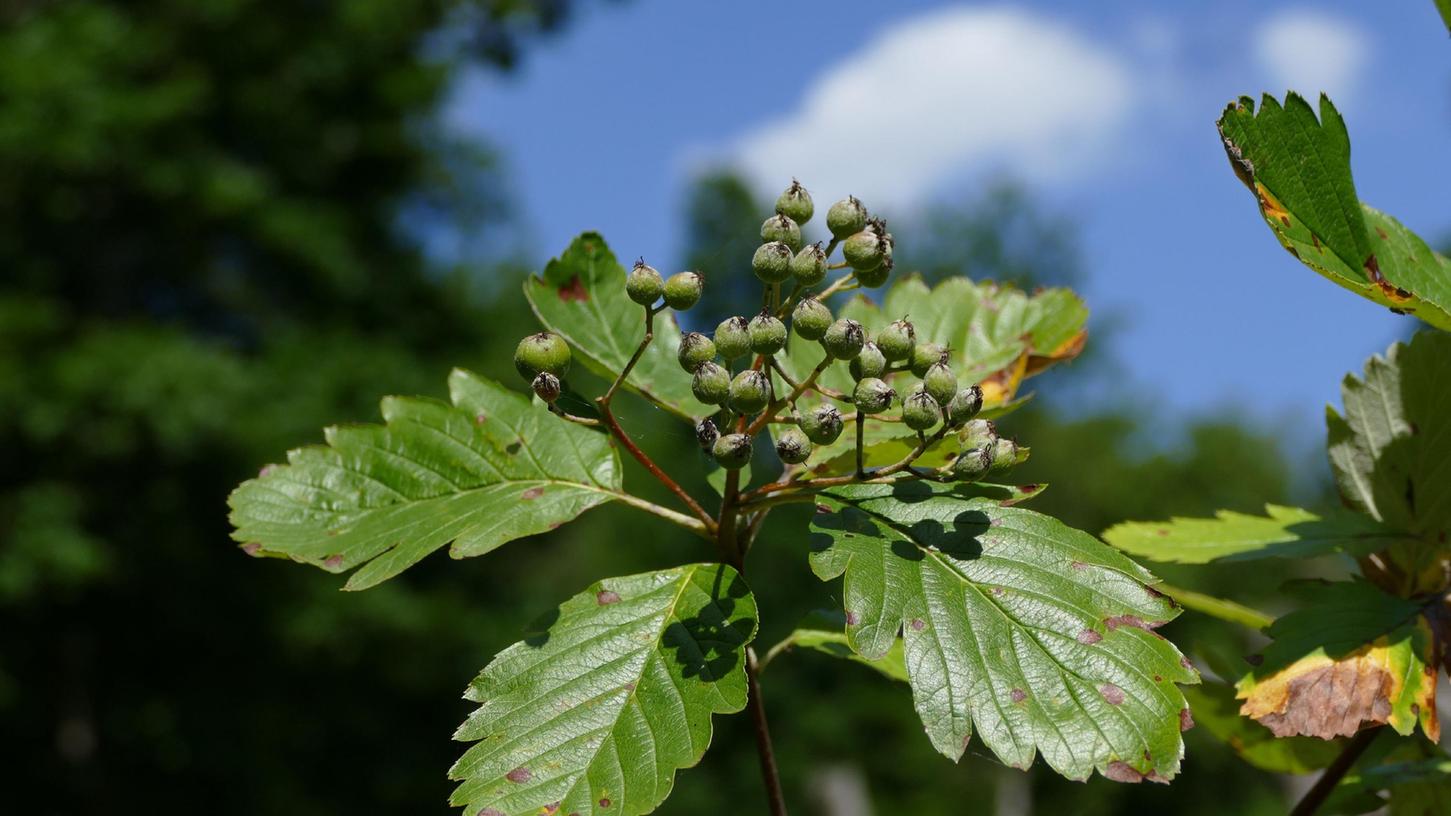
pixel 934 401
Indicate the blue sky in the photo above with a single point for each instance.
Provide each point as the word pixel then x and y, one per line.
pixel 1106 110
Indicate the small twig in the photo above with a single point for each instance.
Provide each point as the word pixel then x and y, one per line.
pixel 585 421
pixel 861 436
pixel 838 285
pixel 769 774
pixel 1321 790
pixel 694 525
pixel 635 358
pixel 862 476
pixel 799 389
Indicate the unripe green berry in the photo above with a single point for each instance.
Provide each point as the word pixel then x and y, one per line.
pixel 732 451
pixel 793 447
pixel 808 267
pixel 644 285
pixel 768 334
pixel 869 363
pixel 863 250
pixel 873 396
pixel 810 319
pixel 733 338
pixel 750 391
pixel 547 387
pixel 940 382
pixel 711 383
pixel 964 405
pixel 545 351
pixel 972 464
pixel 695 348
pixel 795 203
pixel 897 340
pixel 978 433
pixel 821 425
pixel 877 277
pixel 846 217
pixel 706 433
pixel 920 411
pixel 844 339
pixel 772 262
pixel 926 355
pixel 780 228
pixel 683 290
pixel 1005 454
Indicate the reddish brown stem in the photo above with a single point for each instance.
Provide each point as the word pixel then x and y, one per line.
pixel 1325 785
pixel 769 774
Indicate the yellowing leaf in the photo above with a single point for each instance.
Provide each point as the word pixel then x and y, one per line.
pixel 1355 658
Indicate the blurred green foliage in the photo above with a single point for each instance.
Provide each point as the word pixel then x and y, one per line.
pixel 202 262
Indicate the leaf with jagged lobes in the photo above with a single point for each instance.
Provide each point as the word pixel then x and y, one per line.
pixel 613 692
pixel 491 467
pixel 581 297
pixel 1284 532
pixel 1390 448
pixel 1354 657
pixel 1298 168
pixel 1038 636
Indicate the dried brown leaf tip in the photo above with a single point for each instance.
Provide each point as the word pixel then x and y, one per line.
pixel 1320 696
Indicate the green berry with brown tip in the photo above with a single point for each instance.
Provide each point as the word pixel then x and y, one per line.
pixel 897 340
pixel 972 464
pixel 768 334
pixel 873 396
pixel 695 348
pixel 926 355
pixel 869 363
pixel 920 411
pixel 978 433
pixel 846 217
pixel 793 447
pixel 940 382
pixel 964 405
pixel 732 451
pixel 644 284
pixel 877 277
pixel 795 203
pixel 810 319
pixel 733 338
pixel 864 250
pixel 808 267
pixel 683 290
pixel 772 262
pixel 750 391
pixel 844 339
pixel 545 351
pixel 1005 454
pixel 711 383
pixel 822 424
pixel 781 228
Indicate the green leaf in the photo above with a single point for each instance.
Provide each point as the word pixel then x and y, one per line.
pixel 1416 788
pixel 824 631
pixel 1298 167
pixel 1038 634
pixel 581 297
pixel 492 467
pixel 1285 532
pixel 612 694
pixel 1391 451
pixel 1355 657
pixel 1444 6
pixel 1216 711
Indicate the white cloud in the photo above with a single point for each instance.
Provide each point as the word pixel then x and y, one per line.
pixel 1311 51
pixel 944 93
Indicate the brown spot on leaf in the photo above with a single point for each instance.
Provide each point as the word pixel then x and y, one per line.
pixel 1381 233
pixel 1120 771
pixel 333 561
pixel 1019 695
pixel 551 808
pixel 851 618
pixel 266 471
pixel 996 590
pixel 1130 620
pixel 1158 678
pixel 604 803
pixel 1079 565
pixel 573 289
pixel 1184 661
pixel 821 508
pixel 480 418
pixel 1113 694
pixel 1088 637
pixel 491 812
pixel 1186 719
pixel 606 597
pixel 1320 697
pixel 917 624
pixel 252 548
pixel 1391 291
pixel 519 775
pixel 532 493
